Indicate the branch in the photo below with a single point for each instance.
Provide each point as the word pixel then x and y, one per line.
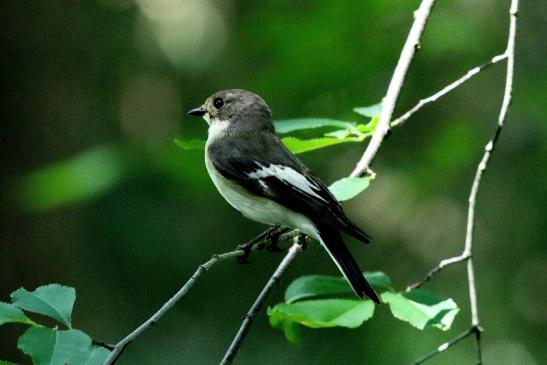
pixel 488 150
pixel 445 346
pixel 118 349
pixel 396 84
pixel 448 88
pixel 231 353
pixel 202 269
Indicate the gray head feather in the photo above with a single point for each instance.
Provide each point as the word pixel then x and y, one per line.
pixel 242 109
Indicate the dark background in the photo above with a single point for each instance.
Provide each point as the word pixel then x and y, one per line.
pixel 95 194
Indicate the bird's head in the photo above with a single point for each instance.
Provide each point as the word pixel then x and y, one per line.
pixel 235 106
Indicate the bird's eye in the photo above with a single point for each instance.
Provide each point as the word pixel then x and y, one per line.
pixel 218 103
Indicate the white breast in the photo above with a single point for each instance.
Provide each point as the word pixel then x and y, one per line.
pixel 258 208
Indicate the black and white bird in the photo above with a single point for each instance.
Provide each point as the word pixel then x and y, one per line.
pixel 260 177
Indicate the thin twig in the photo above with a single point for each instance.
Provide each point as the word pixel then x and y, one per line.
pixel 445 346
pixel 394 89
pixel 444 263
pixel 231 353
pixel 118 349
pixel 202 269
pixel 448 88
pixel 488 150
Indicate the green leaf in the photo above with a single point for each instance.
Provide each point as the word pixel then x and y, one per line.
pixel 322 313
pixel 370 127
pixel 369 111
pixel 53 300
pixel 291 125
pixel 290 328
pixel 95 355
pixel 422 309
pixel 340 134
pixel 50 347
pixel 78 178
pixel 379 280
pixel 11 314
pixel 296 145
pixel 190 144
pixel 310 286
pixel 349 187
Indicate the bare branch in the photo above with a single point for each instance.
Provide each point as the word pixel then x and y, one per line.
pixel 488 150
pixel 202 269
pixel 448 88
pixel 444 263
pixel 396 84
pixel 445 346
pixel 231 353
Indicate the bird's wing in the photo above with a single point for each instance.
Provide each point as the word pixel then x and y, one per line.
pixel 290 184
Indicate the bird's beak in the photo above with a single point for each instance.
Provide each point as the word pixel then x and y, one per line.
pixel 197 112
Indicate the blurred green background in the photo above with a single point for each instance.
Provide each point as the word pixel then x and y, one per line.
pixel 96 195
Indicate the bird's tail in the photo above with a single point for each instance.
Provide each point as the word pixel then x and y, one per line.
pixel 338 251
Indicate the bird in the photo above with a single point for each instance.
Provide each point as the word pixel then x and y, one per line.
pixel 257 175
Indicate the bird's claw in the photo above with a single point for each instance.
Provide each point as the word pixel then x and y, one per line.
pixel 272 235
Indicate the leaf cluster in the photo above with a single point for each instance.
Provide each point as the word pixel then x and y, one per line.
pixel 50 345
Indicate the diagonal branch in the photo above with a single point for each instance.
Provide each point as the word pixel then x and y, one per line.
pixel 394 89
pixel 232 351
pixel 118 349
pixel 448 88
pixel 488 150
pixel 445 346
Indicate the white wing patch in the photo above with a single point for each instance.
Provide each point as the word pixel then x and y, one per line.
pixel 289 175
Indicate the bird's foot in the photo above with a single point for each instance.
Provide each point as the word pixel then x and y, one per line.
pixel 272 235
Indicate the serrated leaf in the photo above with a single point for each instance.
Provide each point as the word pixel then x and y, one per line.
pixel 349 187
pixel 11 314
pixel 422 309
pixel 369 111
pixel 296 145
pixel 323 313
pixel 291 125
pixel 50 347
pixel 53 300
pixel 313 286
pixel 190 144
pixel 95 355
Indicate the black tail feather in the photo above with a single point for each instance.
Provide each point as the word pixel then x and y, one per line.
pixel 348 227
pixel 332 241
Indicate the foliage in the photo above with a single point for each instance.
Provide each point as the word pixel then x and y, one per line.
pixel 327 301
pixel 50 345
pixel 102 168
pixel 311 301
